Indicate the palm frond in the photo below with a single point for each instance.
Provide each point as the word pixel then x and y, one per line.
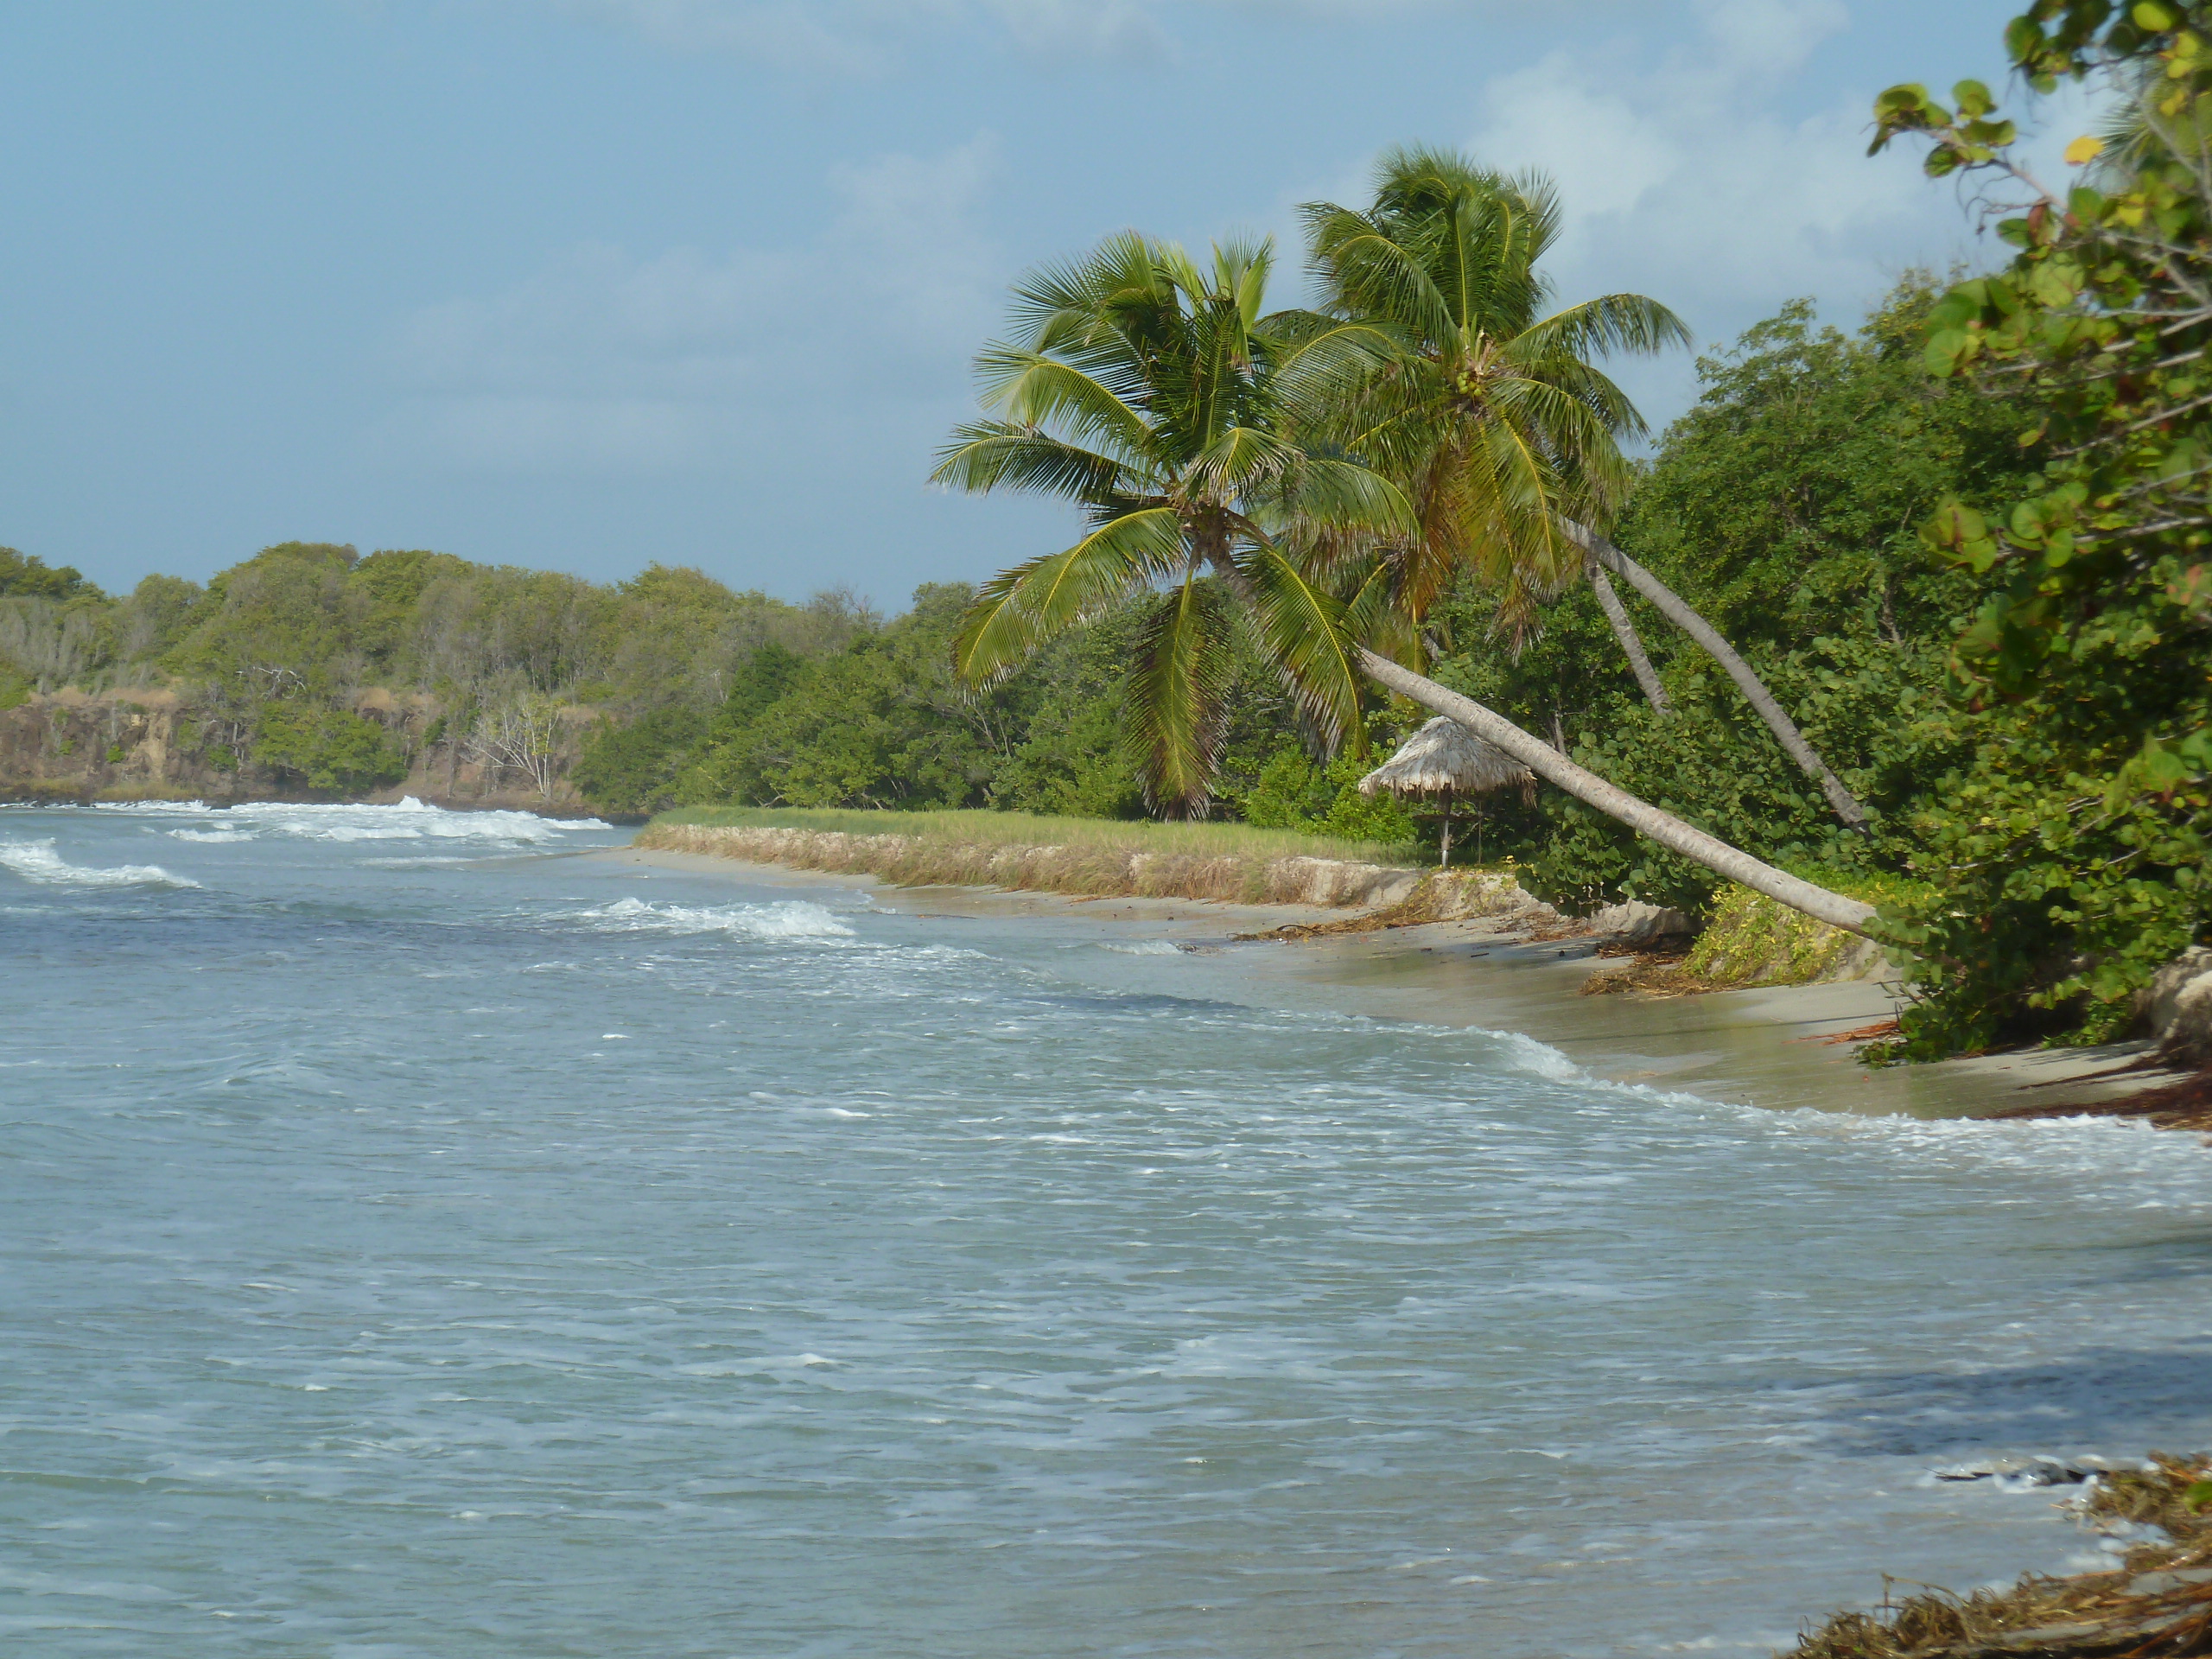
pixel 1032 389
pixel 1178 687
pixel 1339 491
pixel 988 455
pixel 1380 616
pixel 1320 363
pixel 1302 626
pixel 1628 324
pixel 1367 273
pixel 1020 609
pixel 1240 460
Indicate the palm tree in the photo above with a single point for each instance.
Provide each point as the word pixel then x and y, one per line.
pixel 1163 401
pixel 1159 396
pixel 1492 413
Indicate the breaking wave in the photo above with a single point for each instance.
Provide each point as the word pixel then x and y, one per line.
pixel 795 920
pixel 405 820
pixel 36 860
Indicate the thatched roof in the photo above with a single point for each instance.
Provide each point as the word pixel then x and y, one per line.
pixel 1442 755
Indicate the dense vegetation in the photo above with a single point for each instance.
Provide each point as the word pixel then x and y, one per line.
pixel 1961 546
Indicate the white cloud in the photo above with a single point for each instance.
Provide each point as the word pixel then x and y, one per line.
pixel 611 362
pixel 1693 168
pixel 1697 177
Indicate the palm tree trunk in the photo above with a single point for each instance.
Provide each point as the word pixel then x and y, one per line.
pixel 1624 631
pixel 1754 689
pixel 1852 915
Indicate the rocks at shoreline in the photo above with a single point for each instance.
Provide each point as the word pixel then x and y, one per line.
pixel 2178 1007
pixel 2025 1473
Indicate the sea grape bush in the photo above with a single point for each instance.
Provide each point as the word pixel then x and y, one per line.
pixel 2069 850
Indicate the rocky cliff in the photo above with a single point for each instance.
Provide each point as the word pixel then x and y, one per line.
pixel 148 744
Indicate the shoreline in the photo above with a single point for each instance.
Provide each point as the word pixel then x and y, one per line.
pixel 2154 1598
pixel 1778 1046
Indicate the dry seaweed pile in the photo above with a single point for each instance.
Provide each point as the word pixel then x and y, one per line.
pixel 2184 1105
pixel 2157 1605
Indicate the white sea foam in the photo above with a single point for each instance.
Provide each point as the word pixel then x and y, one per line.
pixel 406 820
pixel 795 920
pixel 1146 948
pixel 36 860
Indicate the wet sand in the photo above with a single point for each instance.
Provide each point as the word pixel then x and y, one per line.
pixel 1764 1047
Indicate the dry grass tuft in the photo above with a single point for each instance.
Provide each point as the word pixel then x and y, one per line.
pixel 985 828
pixel 1083 857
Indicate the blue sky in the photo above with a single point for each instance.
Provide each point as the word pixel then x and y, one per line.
pixel 586 284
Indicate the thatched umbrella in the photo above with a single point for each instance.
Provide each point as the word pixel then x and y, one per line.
pixel 1445 759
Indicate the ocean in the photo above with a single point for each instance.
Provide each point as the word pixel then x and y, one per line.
pixel 422 1235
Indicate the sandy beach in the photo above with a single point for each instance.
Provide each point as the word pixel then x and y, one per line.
pixel 1774 1046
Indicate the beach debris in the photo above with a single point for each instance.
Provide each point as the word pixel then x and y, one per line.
pixel 2184 1104
pixel 2155 1604
pixel 2020 1473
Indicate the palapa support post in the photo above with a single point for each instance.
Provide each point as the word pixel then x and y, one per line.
pixel 1445 759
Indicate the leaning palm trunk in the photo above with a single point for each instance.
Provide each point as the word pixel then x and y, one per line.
pixel 1672 608
pixel 1850 914
pixel 1631 642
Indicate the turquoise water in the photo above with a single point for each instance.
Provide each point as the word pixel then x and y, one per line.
pixel 416 1238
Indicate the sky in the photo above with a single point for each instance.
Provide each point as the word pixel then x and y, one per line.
pixel 584 284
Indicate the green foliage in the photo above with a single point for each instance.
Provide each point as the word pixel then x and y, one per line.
pixel 1782 504
pixel 1295 792
pixel 1292 792
pixel 882 723
pixel 326 749
pixel 1753 940
pixel 2070 846
pixel 277 623
pixel 1791 496
pixel 153 616
pixel 31 577
pixel 1069 752
pixel 1870 706
pixel 633 768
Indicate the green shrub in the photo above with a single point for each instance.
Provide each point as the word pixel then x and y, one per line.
pixel 326 748
pixel 633 768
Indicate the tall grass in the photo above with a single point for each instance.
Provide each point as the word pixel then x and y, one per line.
pixel 987 829
pixel 1095 856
